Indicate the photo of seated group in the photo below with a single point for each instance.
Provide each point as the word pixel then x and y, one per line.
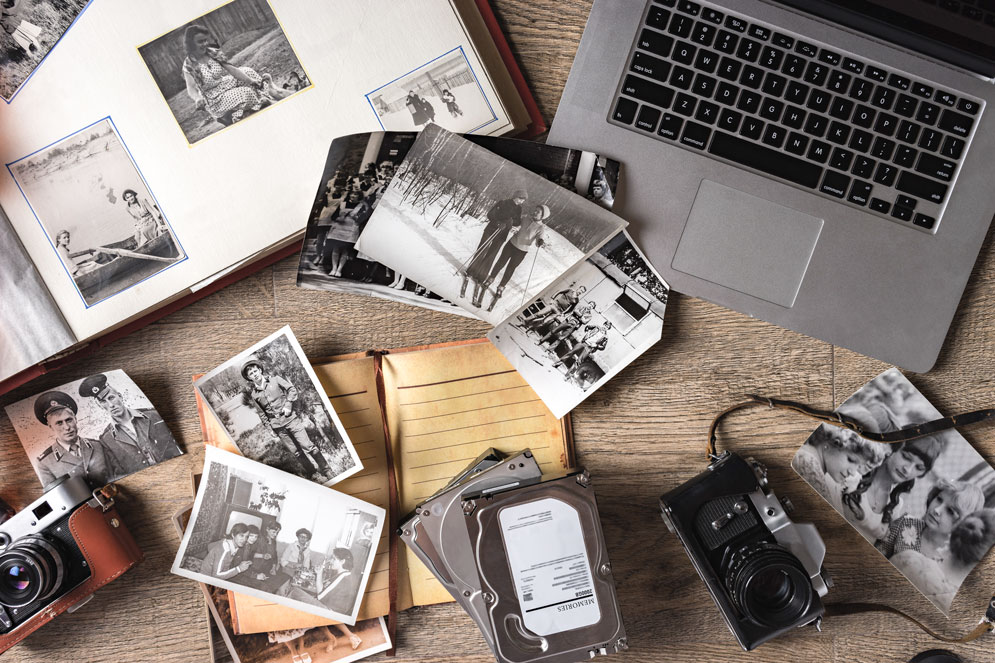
pixel 102 428
pixel 265 533
pixel 97 211
pixel 928 504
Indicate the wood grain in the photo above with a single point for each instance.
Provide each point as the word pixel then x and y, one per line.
pixel 639 436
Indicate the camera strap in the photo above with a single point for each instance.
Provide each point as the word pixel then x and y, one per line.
pixel 910 432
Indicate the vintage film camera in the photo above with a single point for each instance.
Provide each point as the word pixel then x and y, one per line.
pixel 523 553
pixel 55 553
pixel 763 570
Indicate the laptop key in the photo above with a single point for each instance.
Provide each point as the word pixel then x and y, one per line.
pixel 774 135
pixel 707 112
pixel 883 148
pixel 901 82
pixel 840 108
pixel 883 97
pixel 670 126
pixel 774 85
pixel 922 90
pixel 784 41
pixel 835 184
pixel 766 160
pixel 771 58
pixel 861 90
pixel 737 24
pixel 885 174
pixel 625 110
pixel 806 49
pixel 908 132
pixel 816 125
pixel 712 16
pixel 816 73
pixel 930 140
pixel 860 192
pixel 681 78
pixel 886 124
pixel 906 156
pixel 945 98
pixel 704 85
pixel 647 91
pixel 876 73
pixel 906 201
pixel 771 109
pixel 759 32
pixel 729 120
pixel 655 43
pixel 648 117
pixel 696 135
pixel 706 61
pixel 838 133
pixel 818 100
pixel 703 34
pixel 921 187
pixel 749 102
pixel 841 159
pixel 794 117
pixel 879 205
pixel 685 104
pixel 684 52
pixel 860 140
pixel 863 167
pixel 853 66
pixel 794 66
pixel 729 69
pixel 680 26
pixel 726 94
pixel 657 18
pixel 651 67
pixel 927 113
pixel 924 221
pixel 864 116
pixel 752 128
pixel 725 42
pixel 936 167
pixel 956 123
pixel 829 57
pixel 797 93
pixel 751 77
pixel 748 50
pixel 819 151
pixel 902 213
pixel 906 105
pixel 839 82
pixel 689 7
pixel 796 143
pixel 952 147
pixel 968 106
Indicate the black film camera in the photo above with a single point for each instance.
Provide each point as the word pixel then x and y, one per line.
pixel 763 570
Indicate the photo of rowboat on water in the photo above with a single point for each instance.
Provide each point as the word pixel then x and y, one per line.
pixel 97 211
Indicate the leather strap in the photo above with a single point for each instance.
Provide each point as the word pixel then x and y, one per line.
pixel 393 502
pixel 911 432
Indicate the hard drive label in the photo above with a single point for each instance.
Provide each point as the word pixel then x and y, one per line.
pixel 550 566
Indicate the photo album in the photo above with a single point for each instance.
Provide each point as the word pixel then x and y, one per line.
pixel 151 150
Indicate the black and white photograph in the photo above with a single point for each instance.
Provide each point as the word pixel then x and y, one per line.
pixel 357 171
pixel 444 91
pixel 593 322
pixel 101 427
pixel 478 230
pixel 224 66
pixel 265 533
pixel 97 211
pixel 31 28
pixel 269 401
pixel 927 505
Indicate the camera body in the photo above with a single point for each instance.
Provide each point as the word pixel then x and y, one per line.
pixel 55 553
pixel 763 571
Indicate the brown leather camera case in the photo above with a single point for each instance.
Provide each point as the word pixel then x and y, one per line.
pixel 109 550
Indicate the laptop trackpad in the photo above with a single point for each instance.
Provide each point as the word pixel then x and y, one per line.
pixel 746 243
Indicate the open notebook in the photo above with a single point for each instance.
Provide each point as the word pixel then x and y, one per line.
pixel 445 404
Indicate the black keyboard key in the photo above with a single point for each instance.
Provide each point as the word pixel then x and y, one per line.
pixel 707 112
pixel 766 160
pixel 835 184
pixel 876 73
pixel 774 85
pixel 695 135
pixel 670 126
pixel 752 128
pixel 706 61
pixel 930 140
pixel 936 167
pixel 860 140
pixel 689 7
pixel 840 108
pixel 922 90
pixel 818 100
pixel 794 117
pixel 883 97
pixel 879 205
pixel 839 82
pixel 771 57
pixel 864 116
pixel 666 3
pixel 651 67
pixel 924 221
pixel 774 135
pixel 816 73
pixel 771 109
pixel 829 57
pixel 647 91
pixel 838 133
pixel 725 42
pixel 927 113
pixel 796 143
pixel 685 104
pixel 863 167
pixel 655 43
pixel 712 16
pixel 681 78
pixel 901 82
pixel 793 66
pixel 945 98
pixel 908 132
pixel 684 52
pixel 680 26
pixel 902 213
pixel 806 49
pixel 853 66
pixel 749 102
pixel 819 151
pixel 921 187
pixel 841 159
pixel 729 120
pixel 729 69
pixel 885 174
pixel 648 117
pixel 704 85
pixel 861 90
pixel 797 93
pixel 658 18
pixel 956 123
pixel 906 201
pixel 759 32
pixel 952 147
pixel 751 77
pixel 883 148
pixel 886 124
pixel 737 24
pixel 906 156
pixel 748 50
pixel 703 34
pixel 625 110
pixel 726 94
pixel 968 106
pixel 906 105
pixel 860 192
pixel 816 125
pixel 784 41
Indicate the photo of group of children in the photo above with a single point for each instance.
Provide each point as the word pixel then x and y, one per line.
pixel 928 504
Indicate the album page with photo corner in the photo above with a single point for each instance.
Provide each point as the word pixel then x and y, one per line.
pixel 156 146
pixel 445 404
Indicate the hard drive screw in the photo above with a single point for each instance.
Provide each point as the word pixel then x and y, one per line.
pixel 511 467
pixel 468 507
pixel 605 569
pixel 466 592
pixel 584 479
pixel 426 513
pixel 488 597
pixel 622 644
pixel 407 532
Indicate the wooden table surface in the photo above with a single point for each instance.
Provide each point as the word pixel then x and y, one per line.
pixel 640 435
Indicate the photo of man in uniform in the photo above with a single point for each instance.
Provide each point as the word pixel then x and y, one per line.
pixel 135 438
pixel 70 453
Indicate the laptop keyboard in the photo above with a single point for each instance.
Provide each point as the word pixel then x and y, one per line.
pixel 777 103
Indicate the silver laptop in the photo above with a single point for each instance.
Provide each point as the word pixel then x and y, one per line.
pixel 825 165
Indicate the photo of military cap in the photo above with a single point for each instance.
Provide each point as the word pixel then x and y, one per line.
pixel 52 401
pixel 94 386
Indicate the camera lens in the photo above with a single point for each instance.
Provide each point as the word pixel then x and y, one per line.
pixel 30 570
pixel 769 585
